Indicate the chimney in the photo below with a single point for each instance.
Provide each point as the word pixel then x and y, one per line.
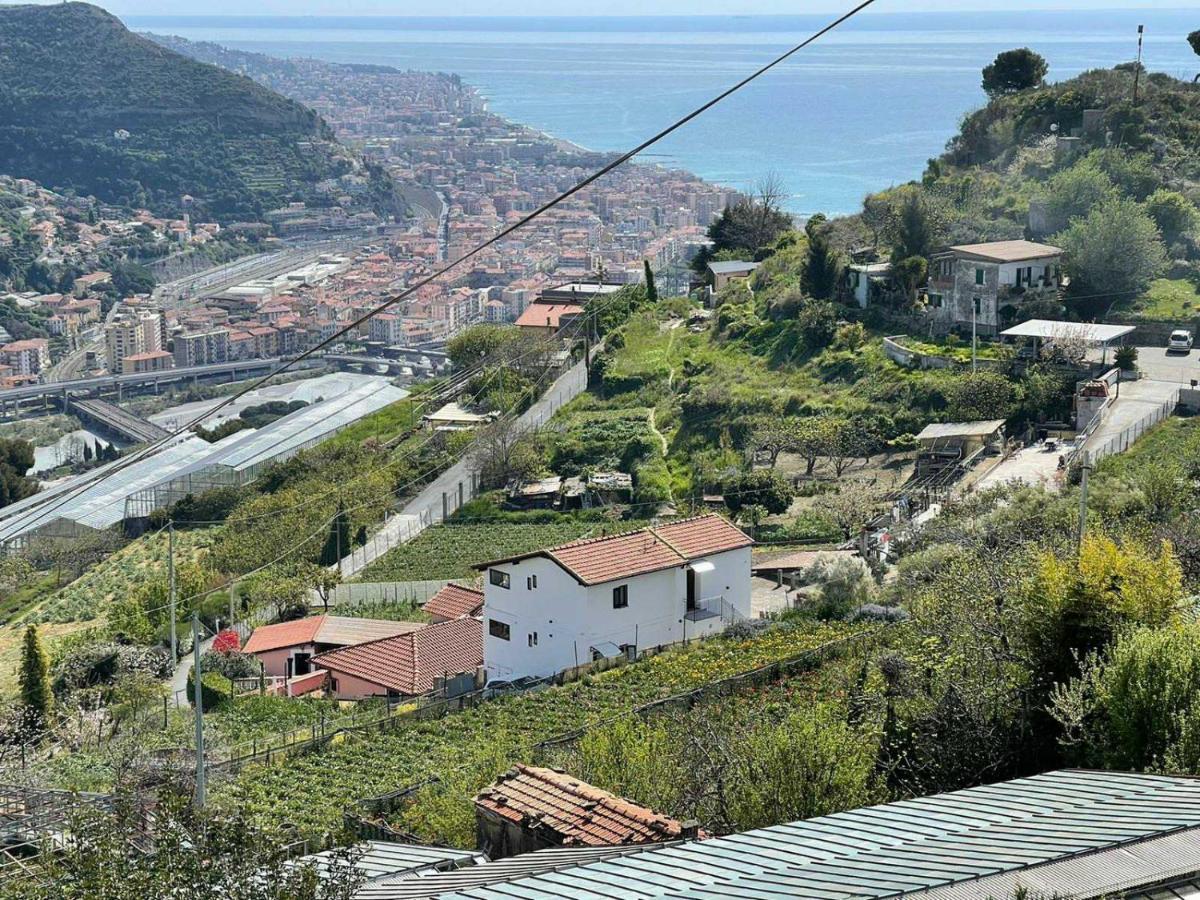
pixel 689 830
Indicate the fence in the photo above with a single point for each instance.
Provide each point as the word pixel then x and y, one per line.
pixel 1126 438
pixel 412 592
pixel 459 484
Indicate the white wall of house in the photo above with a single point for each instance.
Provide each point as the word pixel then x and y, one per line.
pixel 554 625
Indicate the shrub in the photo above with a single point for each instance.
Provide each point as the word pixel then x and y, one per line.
pixel 230 665
pixel 1126 357
pixel 215 689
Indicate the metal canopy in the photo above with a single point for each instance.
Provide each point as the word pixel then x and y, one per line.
pixel 1094 333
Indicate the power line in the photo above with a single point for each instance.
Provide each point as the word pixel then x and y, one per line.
pixel 479 248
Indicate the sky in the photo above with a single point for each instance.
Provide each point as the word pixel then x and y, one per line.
pixel 580 7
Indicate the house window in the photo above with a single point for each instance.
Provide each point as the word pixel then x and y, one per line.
pixel 935 300
pixel 978 305
pixel 979 276
pixel 499 630
pixel 621 597
pixel 532 638
pixel 498 578
pixel 531 582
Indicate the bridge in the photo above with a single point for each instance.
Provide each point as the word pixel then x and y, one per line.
pixel 425 362
pixel 118 385
pixel 106 416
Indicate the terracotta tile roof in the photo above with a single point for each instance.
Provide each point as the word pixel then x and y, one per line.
pixel 409 663
pixel 547 315
pixel 343 631
pixel 285 634
pixel 454 601
pixel 703 535
pixel 598 560
pixel 577 813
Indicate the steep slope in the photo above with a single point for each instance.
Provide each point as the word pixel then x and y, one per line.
pixel 86 105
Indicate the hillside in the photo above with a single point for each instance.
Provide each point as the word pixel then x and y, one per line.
pixel 1074 163
pixel 88 106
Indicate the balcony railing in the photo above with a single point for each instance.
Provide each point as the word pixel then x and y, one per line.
pixel 712 608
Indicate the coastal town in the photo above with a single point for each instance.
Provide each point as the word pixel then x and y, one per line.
pixel 401 503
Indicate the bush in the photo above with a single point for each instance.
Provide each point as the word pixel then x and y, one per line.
pixel 1126 357
pixel 100 664
pixel 230 665
pixel 215 689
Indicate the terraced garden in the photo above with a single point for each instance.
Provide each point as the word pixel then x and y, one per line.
pixel 466 750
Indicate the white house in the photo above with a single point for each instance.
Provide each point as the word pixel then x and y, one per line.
pixel 550 610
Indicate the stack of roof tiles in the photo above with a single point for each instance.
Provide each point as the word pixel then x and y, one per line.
pixel 602 559
pixel 410 663
pixel 577 813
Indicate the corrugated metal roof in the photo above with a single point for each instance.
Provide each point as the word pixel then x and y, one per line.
pixel 381 859
pixel 1106 872
pixel 960 429
pixel 898 848
pixel 419 886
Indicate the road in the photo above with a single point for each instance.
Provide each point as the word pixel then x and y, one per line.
pixel 442 496
pixel 1162 374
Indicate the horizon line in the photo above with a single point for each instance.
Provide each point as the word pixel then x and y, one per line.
pixel 687 16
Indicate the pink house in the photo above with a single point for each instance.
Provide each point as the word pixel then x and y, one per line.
pixel 406 665
pixel 287 649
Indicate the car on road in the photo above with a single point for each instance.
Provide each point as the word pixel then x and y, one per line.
pixel 1180 341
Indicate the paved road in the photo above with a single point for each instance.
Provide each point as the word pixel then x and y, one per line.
pixel 458 481
pixel 1029 465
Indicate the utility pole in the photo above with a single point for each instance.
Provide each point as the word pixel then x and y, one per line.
pixel 1137 71
pixel 198 701
pixel 974 316
pixel 1083 498
pixel 171 588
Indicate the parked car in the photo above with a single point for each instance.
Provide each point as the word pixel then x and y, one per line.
pixel 1180 341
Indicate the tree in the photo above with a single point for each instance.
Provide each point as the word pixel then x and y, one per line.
pixel 651 288
pixel 16 458
pixel 823 266
pixel 474 345
pixel 774 434
pixel 762 487
pixel 1013 71
pixel 844 441
pixel 1174 214
pixel 321 579
pixel 851 507
pixel 503 454
pixel 979 396
pixel 1075 192
pixel 1194 41
pixel 104 853
pixel 910 273
pixel 914 235
pixel 34 677
pixel 817 321
pixel 809 439
pixel 748 226
pixel 1112 253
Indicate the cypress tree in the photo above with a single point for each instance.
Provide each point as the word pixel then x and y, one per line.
pixel 34 677
pixel 651 288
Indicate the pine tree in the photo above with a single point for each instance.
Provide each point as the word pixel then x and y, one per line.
pixel 823 268
pixel 651 288
pixel 916 232
pixel 35 677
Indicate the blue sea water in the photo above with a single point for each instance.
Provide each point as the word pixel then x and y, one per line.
pixel 859 110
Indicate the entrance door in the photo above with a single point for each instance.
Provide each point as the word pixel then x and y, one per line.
pixel 691 589
pixel 300 663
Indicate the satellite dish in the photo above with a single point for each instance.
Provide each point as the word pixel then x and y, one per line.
pixel 1054 128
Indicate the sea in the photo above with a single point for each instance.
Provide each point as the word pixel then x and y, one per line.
pixel 859 110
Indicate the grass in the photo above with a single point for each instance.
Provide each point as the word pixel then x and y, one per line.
pixel 959 350
pixel 1168 299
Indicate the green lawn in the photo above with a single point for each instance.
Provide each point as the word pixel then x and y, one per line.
pixel 1170 299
